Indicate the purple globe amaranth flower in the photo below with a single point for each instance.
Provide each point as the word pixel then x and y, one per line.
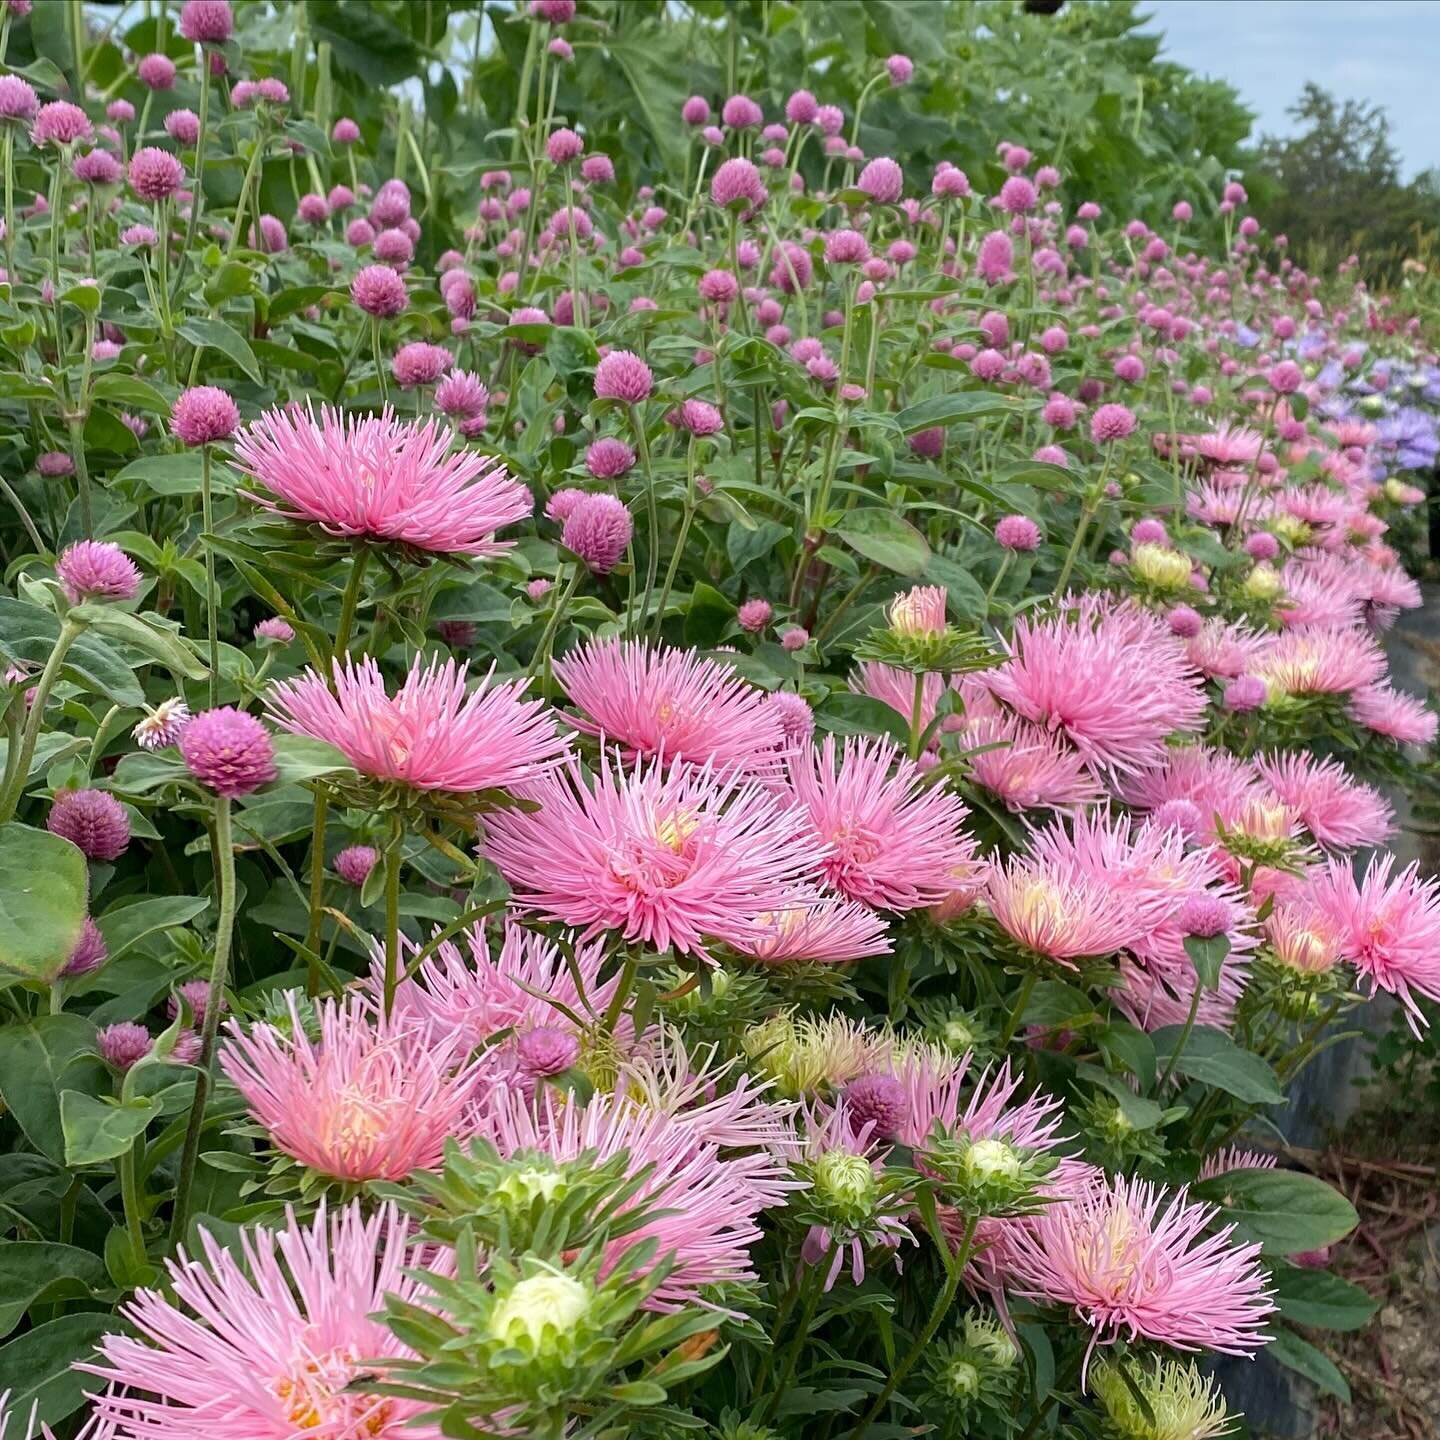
pixel 183 126
pixel 949 182
pixel 995 258
pixel 564 146
pixel 900 68
pixel 142 237
pixel 395 248
pixel 880 1100
pixel 1184 621
pixel 345 131
pixel 555 12
pixel 1247 692
pixel 97 570
pixel 354 863
pixel 187 1047
pixel 547 1050
pixel 1204 916
pixel 195 994
pixel 97 167
pixel 882 180
pixel 457 634
pixel 930 443
pixel 162 725
pixel 718 287
pixel 1017 532
pixel 360 232
pixel 700 418
pixel 228 751
pixel 695 111
pixel 1017 196
pixel 123 1044
pixel 597 169
pixel 597 530
pixel 268 235
pixel 89 954
pixel 462 394
pixel 740 112
pixel 94 821
pixel 1285 378
pixel 738 184
pixel 1262 545
pixel 274 628
pixel 608 459
pixel 795 638
pixel 1112 422
pixel 61 123
pixel 312 209
pixel 536 590
pixel 156 72
pixel 1149 532
pixel 207 22
pixel 846 247
pixel 202 415
pixel 622 375
pixel 18 100
pixel 420 363
pixel 754 615
pixel 377 289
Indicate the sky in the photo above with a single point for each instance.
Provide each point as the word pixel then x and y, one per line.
pixel 1386 51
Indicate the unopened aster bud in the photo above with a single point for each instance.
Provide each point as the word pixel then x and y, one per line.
pixel 1161 567
pixel 919 611
pixel 539 1311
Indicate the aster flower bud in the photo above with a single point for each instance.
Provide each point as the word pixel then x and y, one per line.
pixel 1159 567
pixel 541 1313
pixel 988 1175
pixel 1172 1400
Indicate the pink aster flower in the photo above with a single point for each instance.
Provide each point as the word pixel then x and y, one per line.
pixel 679 858
pixel 381 478
pixel 1315 660
pixel 890 842
pixel 1111 678
pixel 1388 711
pixel 433 733
pixel 96 570
pixel 1027 767
pixel 1341 813
pixel 822 931
pixel 92 820
pixel 1389 927
pixel 623 376
pixel 228 750
pixel 262 1339
pixel 1053 910
pixel 1133 1261
pixel 662 702
pixel 369 1100
pixel 204 414
pixel 708 1199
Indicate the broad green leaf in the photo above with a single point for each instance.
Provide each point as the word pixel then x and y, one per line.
pixel 569 349
pixel 44 886
pixel 1303 1358
pixel 97 1130
pixel 175 474
pixel 298 757
pixel 1213 1058
pixel 1316 1298
pixel 141 772
pixel 32 1270
pixel 1207 954
pixel 27 636
pixel 222 336
pixel 1287 1211
pixel 35 1368
pixel 887 539
pixel 845 713
pixel 35 1055
pixel 153 640
pixel 706 616
pixel 947 409
pixel 126 925
pixel 127 390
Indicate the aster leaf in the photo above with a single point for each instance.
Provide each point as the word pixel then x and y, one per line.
pixel 35 1368
pixel 1213 1058
pixel 33 1270
pixel 1303 1358
pixel 1287 1211
pixel 1314 1298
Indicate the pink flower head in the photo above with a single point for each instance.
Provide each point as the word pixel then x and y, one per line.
pixel 1112 680
pixel 671 857
pixel 598 529
pixel 889 842
pixel 206 22
pixel 368 1100
pixel 274 628
pixel 624 376
pixel 900 68
pixel 1017 532
pixel 162 725
pixel 312 209
pixel 380 478
pixel 608 459
pixel 123 1044
pixel 701 418
pixel 420 363
pixel 1110 423
pixel 1134 1261
pixel 229 751
pixel 18 100
pixel 1387 711
pixel 882 180
pixel 695 111
pixel 378 290
pixel 846 247
pixel 949 183
pixel 1285 378
pixel 564 146
pixel 97 167
pixel 202 415
pixel 718 287
pixel 996 257
pixel 156 72
pixel 354 863
pixel 52 463
pixel 97 570
pixel 92 820
pixel 61 123
pixel 394 248
pixel 737 184
pixel 740 112
pixel 89 954
pixel 432 734
pixel 754 615
pixel 669 704
pixel 1017 196
pixel 1341 813
pixel 461 394
pixel 1057 911
pixel 345 131
pixel 597 170
pixel 265 1338
pixel 1026 767
pixel 1321 660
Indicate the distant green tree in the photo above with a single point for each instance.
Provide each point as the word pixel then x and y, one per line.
pixel 1335 188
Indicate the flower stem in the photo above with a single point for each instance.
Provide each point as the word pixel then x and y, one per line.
pixel 126 1169
pixel 212 604
pixel 223 851
pixel 1017 1010
pixel 917 715
pixel 652 516
pixel 394 858
pixel 69 631
pixel 1184 1035
pixel 996 582
pixel 379 368
pixel 543 650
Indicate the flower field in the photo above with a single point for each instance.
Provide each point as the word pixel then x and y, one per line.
pixel 687 749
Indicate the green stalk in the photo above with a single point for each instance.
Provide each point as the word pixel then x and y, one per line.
pixel 82 475
pixel 541 657
pixel 999 576
pixel 198 196
pixel 652 514
pixel 9 191
pixel 1185 1030
pixel 223 851
pixel 917 715
pixel 69 632
pixel 379 367
pixel 212 605
pixel 394 858
pixel 1012 1020
pixel 126 1171
pixel 245 185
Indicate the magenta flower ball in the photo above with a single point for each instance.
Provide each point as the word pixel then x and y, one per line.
pixel 900 68
pixel 89 954
pixel 378 290
pixel 754 615
pixel 597 530
pixel 183 126
pixel 1248 692
pixel 354 863
pixel 202 415
pixel 97 570
pixel 882 180
pixel 345 131
pixel 92 820
pixel 564 146
pixel 61 123
pixel 1110 423
pixel 547 1050
pixel 228 751
pixel 97 167
pixel 623 375
pixel 18 100
pixel 156 72
pixel 207 22
pixel 700 418
pixel 273 628
pixel 1017 532
pixel 609 458
pixel 124 1043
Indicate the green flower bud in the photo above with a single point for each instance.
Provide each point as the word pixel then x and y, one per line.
pixel 845 1184
pixel 539 1311
pixel 1183 1404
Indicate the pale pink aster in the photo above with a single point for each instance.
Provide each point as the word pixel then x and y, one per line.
pixel 202 415
pixel 228 750
pixel 822 931
pixel 268 1335
pixel 918 611
pixel 1225 650
pixel 1340 812
pixel 1234 1157
pixel 1060 913
pixel 1310 660
pixel 433 733
pixel 369 1100
pixel 890 842
pixel 676 858
pixel 672 703
pixel 1389 927
pixel 92 820
pixel 622 375
pixel 1027 767
pixel 1111 678
pixel 598 530
pixel 1391 712
pixel 96 570
pixel 707 1201
pixel 380 478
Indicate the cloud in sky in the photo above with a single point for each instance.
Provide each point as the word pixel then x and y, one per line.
pixel 1379 50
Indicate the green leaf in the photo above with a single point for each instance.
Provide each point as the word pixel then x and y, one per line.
pixel 298 757
pixel 32 1270
pixel 1299 404
pixel 44 887
pixel 35 1368
pixel 947 409
pixel 127 390
pixel 1286 1211
pixel 569 350
pixel 83 297
pixel 1213 1058
pixel 34 1057
pixel 174 474
pixel 1303 1358
pixel 126 925
pixel 141 772
pixel 153 640
pixel 27 636
pixel 885 538
pixel 218 335
pixel 97 1130
pixel 1207 954
pixel 706 616
pixel 846 713
pixel 1314 1298
pixel 963 591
